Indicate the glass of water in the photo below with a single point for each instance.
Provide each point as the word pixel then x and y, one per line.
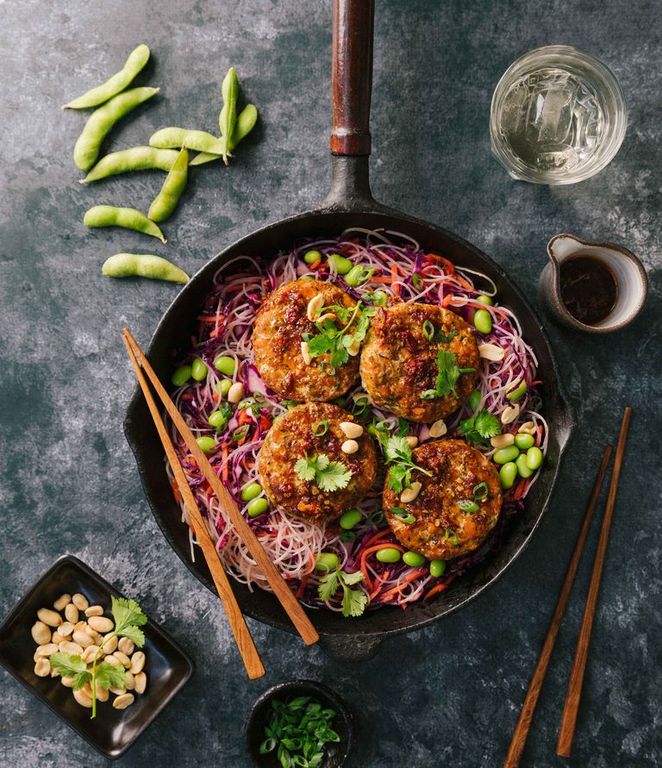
pixel 558 116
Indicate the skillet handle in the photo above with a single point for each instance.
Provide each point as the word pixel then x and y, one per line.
pixel 351 76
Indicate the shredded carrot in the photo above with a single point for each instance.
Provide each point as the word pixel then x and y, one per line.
pixel 444 262
pixel 302 586
pixel 379 279
pixel 244 417
pixel 447 300
pixel 520 490
pixel 464 283
pixel 397 589
pixel 435 590
pixel 226 468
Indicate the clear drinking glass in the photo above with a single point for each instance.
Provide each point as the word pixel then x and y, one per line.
pixel 558 116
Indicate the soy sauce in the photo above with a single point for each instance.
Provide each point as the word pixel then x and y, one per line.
pixel 588 289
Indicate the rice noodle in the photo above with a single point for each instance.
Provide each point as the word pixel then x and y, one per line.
pixel 225 327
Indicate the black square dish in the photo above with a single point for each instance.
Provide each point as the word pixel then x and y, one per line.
pixel 113 731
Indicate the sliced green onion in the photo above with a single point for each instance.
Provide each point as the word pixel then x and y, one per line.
pixel 428 330
pixel 480 491
pixel 403 515
pixel 417 281
pixel 468 506
pixel 516 393
pixel 320 428
pixel 240 434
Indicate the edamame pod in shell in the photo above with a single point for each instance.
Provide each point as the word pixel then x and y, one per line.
pixel 128 218
pixel 101 122
pixel 245 124
pixel 173 187
pixel 143 265
pixel 133 159
pixel 116 84
pixel 200 141
pixel 228 116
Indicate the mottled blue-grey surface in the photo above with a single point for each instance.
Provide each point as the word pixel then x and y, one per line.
pixel 445 696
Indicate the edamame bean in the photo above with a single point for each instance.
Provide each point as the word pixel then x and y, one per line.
pixel 198 369
pixel 350 518
pixel 482 321
pixel 223 387
pixel 116 84
pixel 128 218
pixel 257 507
pixel 437 568
pixel 143 265
pixel 245 124
pixel 516 393
pixel 340 264
pixel 312 257
pixel 228 116
pixel 522 467
pixel 101 121
pixel 133 159
pixel 523 441
pixel 198 141
pixel 388 555
pixel 414 559
pixel 358 275
pixel 508 475
pixel 226 364
pixel 327 561
pixel 485 299
pixel 181 376
pixel 217 420
pixel 474 399
pixel 251 491
pixel 534 457
pixel 504 455
pixel 173 188
pixel 206 443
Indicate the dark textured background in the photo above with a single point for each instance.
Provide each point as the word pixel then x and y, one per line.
pixel 448 695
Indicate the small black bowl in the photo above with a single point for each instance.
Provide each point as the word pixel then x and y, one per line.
pixel 335 753
pixel 113 731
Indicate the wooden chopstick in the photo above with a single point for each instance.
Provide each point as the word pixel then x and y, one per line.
pixel 240 630
pixel 287 599
pixel 573 697
pixel 523 726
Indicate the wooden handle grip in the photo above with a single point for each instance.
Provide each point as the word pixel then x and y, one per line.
pixel 351 76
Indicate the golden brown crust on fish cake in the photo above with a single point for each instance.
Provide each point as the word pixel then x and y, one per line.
pixel 398 363
pixel 441 529
pixel 278 332
pixel 290 439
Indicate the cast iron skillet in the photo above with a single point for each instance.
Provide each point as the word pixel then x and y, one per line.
pixel 349 204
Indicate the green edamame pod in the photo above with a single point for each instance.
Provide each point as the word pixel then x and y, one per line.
pixel 245 124
pixel 116 84
pixel 228 116
pixel 133 159
pixel 101 121
pixel 199 141
pixel 515 394
pixel 173 187
pixel 128 218
pixel 143 265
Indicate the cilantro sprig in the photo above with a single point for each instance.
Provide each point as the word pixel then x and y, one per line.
pixel 398 455
pixel 479 427
pixel 354 601
pixel 337 342
pixel 128 618
pixel 328 475
pixel 448 373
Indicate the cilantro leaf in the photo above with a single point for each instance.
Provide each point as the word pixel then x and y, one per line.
pixel 335 477
pixel 354 602
pixel 328 585
pixel 128 617
pixel 305 468
pixel 480 426
pixel 336 342
pixel 398 454
pixel 67 664
pixel 328 475
pixel 352 578
pixel 110 676
pixel 448 373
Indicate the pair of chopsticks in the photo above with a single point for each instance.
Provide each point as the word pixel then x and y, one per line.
pixel 573 696
pixel 240 630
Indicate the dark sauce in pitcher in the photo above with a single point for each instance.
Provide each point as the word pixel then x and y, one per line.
pixel 588 289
